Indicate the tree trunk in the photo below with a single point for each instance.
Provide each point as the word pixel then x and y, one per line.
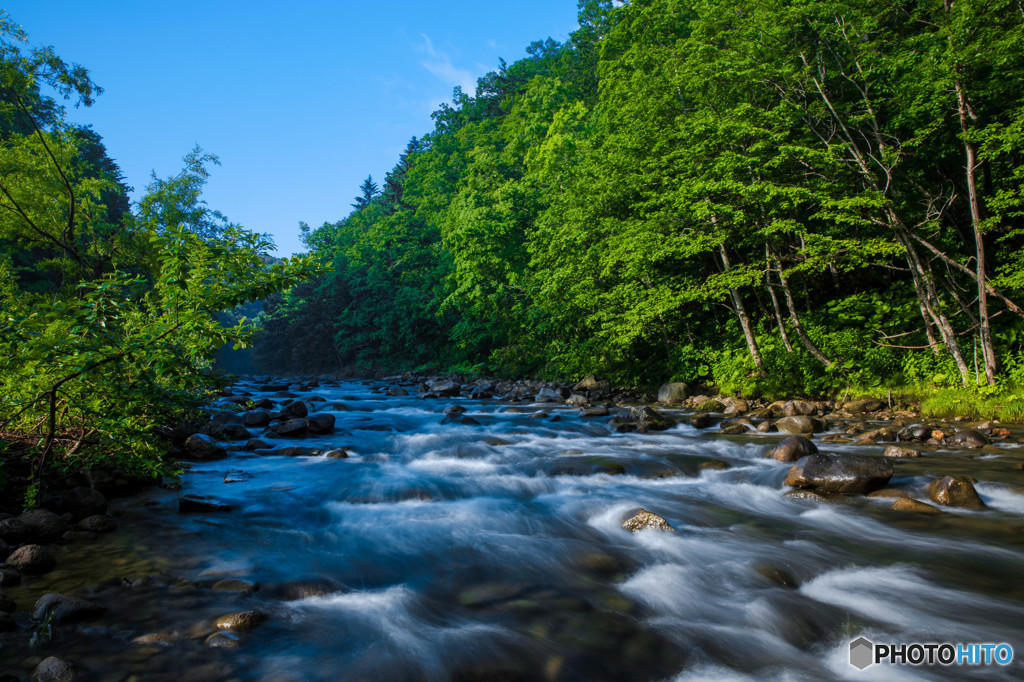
pixel 741 314
pixel 775 304
pixel 795 318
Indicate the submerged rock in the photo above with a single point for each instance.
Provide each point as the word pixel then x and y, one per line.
pixel 907 504
pixel 954 491
pixel 968 438
pixel 197 503
pixel 201 447
pixel 63 608
pixel 836 474
pixel 238 622
pixel 641 519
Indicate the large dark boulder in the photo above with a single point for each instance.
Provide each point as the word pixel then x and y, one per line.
pixel 293 428
pixel 791 449
pixel 63 608
pixel 295 410
pixel 955 491
pixel 234 432
pixel 320 423
pixel 837 474
pixel 256 419
pixel 43 525
pixel 649 419
pixel 968 438
pixel 201 447
pixel 32 559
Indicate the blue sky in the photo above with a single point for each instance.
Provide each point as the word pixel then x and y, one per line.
pixel 300 101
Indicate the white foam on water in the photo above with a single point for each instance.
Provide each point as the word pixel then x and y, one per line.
pixel 1001 497
pixel 453 465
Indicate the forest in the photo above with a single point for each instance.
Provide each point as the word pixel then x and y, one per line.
pixel 788 197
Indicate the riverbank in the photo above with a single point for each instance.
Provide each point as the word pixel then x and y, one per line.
pixel 484 530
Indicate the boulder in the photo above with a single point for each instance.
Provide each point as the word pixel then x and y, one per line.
pixel 226 418
pixel 294 410
pixel 396 392
pixel 641 519
pixel 244 620
pixel 791 449
pixel 257 444
pixel 598 411
pixel 861 405
pixel 235 432
pixel 197 503
pixel 55 669
pixel 968 438
pixel 649 419
pixel 799 408
pixel 837 474
pixel 32 559
pixel 954 491
pixel 735 407
pixel 445 389
pixel 98 524
pixel 201 447
pixel 81 502
pixel 256 419
pixel 548 395
pixel 13 531
pixel 43 525
pixel 907 504
pixel 882 435
pixel 293 428
pixel 897 452
pixel 63 608
pixel 710 406
pixel 339 453
pixel 799 424
pixel 700 420
pixel 577 400
pixel 465 420
pixel 914 433
pixel 673 393
pixel 320 423
pixel 735 426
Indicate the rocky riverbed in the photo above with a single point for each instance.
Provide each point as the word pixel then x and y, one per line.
pixel 428 529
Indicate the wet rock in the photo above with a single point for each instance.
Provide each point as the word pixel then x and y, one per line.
pixel 63 608
pixel 304 588
pixel 799 424
pixel 32 559
pixel 237 476
pixel 197 503
pixel 239 622
pixel 263 404
pixel 453 409
pixel 224 418
pixel 445 389
pixel 320 423
pixel 338 453
pixel 294 410
pixel 882 435
pixel 914 434
pixel 736 427
pixel 954 491
pixel 736 406
pixel 836 474
pixel 649 419
pixel 292 451
pixel 13 531
pixel 201 447
pixel 293 428
pixel 777 575
pixel 864 405
pixel 396 392
pixel 81 502
pixel 257 444
pixel 235 432
pixel 222 640
pixel 234 585
pixel 673 393
pixel 799 408
pixel 156 639
pixel 548 395
pixel 897 452
pixel 55 669
pixel 805 496
pixel 890 493
pixel 710 406
pixel 968 438
pixel 641 519
pixel 791 449
pixel 700 420
pixel 577 400
pixel 43 525
pixel 598 411
pixel 713 465
pixel 909 505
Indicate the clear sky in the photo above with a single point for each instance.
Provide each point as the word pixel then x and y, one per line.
pixel 301 101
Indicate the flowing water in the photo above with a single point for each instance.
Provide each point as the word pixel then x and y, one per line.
pixel 495 552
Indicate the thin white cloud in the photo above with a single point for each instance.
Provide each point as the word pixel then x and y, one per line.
pixel 440 65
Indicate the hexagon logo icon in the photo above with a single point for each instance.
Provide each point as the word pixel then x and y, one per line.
pixel 862 653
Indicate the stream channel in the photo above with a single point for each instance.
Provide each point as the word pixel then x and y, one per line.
pixel 495 552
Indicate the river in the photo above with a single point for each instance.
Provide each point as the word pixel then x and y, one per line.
pixel 495 552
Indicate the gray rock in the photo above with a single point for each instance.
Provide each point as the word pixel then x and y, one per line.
pixel 43 525
pixel 201 447
pixel 320 423
pixel 548 395
pixel 98 523
pixel 55 669
pixel 791 449
pixel 32 559
pixel 63 608
pixel 673 393
pixel 641 519
pixel 836 474
pixel 968 438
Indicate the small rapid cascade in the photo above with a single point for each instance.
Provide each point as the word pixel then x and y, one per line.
pixel 460 551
